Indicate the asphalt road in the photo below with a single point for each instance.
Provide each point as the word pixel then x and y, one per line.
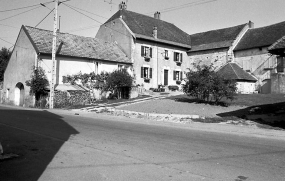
pixel 58 145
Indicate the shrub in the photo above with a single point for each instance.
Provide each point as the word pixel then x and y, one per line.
pixel 173 87
pixel 205 84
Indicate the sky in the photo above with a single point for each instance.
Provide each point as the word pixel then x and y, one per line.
pixel 192 16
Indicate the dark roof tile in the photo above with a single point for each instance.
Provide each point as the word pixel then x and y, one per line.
pixel 279 44
pixel 143 25
pixel 76 46
pixel 235 72
pixel 261 37
pixel 213 39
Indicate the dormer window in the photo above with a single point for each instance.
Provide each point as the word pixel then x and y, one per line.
pixel 146 52
pixel 178 57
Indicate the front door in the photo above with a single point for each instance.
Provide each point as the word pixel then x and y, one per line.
pixel 165 77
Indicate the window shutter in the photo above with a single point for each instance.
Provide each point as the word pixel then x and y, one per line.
pixel 150 73
pixel 150 52
pixel 142 72
pixel 181 74
pixel 181 57
pixel 174 56
pixel 142 51
pixel 173 74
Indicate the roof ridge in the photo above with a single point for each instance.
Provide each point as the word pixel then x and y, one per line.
pixel 219 29
pixel 268 26
pixel 234 70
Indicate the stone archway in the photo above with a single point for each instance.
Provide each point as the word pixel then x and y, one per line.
pixel 19 94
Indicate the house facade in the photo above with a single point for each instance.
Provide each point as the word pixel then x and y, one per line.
pixel 74 54
pixel 157 49
pixel 252 54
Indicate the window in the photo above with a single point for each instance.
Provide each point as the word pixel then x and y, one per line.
pixel 120 67
pixel 146 72
pixel 178 57
pixel 280 64
pixel 146 52
pixel 166 55
pixel 177 75
pixel 96 68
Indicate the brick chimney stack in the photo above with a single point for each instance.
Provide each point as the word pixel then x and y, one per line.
pixel 157 15
pixel 154 32
pixel 122 6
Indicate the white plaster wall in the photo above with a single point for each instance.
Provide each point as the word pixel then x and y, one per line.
pixel 245 87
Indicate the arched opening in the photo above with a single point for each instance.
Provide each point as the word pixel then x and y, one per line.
pixel 19 94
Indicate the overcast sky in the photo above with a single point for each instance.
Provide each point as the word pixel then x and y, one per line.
pixel 192 16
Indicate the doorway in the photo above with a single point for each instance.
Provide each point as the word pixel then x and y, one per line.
pixel 165 77
pixel 19 94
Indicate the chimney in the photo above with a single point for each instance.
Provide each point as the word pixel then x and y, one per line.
pixel 157 15
pixel 122 6
pixel 154 32
pixel 250 24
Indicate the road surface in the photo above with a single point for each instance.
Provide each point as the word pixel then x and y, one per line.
pixel 59 145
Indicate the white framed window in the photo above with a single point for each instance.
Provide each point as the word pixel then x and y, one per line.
pixel 96 68
pixel 166 55
pixel 178 57
pixel 146 51
pixel 177 75
pixel 146 72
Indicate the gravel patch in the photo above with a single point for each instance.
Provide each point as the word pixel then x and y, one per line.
pixel 167 106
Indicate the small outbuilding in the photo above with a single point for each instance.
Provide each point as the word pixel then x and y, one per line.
pixel 245 81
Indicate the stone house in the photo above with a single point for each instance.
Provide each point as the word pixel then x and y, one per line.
pixel 251 53
pixel 157 49
pixel 245 81
pixel 74 53
pixel 216 46
pixel 278 78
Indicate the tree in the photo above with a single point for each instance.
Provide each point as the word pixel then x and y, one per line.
pixel 205 84
pixel 4 58
pixel 117 81
pixel 38 83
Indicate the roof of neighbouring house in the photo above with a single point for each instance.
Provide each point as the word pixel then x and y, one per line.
pixel 221 38
pixel 279 44
pixel 75 46
pixel 261 37
pixel 142 26
pixel 235 72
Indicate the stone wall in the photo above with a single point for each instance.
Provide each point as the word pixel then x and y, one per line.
pixel 278 83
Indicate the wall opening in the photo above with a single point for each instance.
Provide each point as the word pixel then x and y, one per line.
pixel 19 94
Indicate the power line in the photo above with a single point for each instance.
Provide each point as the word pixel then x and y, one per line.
pixel 44 17
pixel 20 13
pixel 195 3
pixel 25 7
pixel 88 12
pixel 82 13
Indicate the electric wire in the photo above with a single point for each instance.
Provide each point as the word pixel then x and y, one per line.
pixel 88 12
pixel 24 7
pixel 20 13
pixel 44 18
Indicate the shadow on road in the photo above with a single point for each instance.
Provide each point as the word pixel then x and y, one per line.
pixel 272 115
pixel 36 136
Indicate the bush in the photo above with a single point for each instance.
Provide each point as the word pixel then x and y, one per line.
pixel 173 87
pixel 205 84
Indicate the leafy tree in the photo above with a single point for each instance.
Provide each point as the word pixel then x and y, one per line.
pixel 118 80
pixel 205 84
pixel 4 58
pixel 38 83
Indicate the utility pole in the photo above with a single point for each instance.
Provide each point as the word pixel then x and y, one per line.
pixel 53 72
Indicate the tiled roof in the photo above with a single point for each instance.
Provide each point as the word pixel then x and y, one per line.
pixel 261 37
pixel 143 25
pixel 214 39
pixel 279 44
pixel 75 46
pixel 235 72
